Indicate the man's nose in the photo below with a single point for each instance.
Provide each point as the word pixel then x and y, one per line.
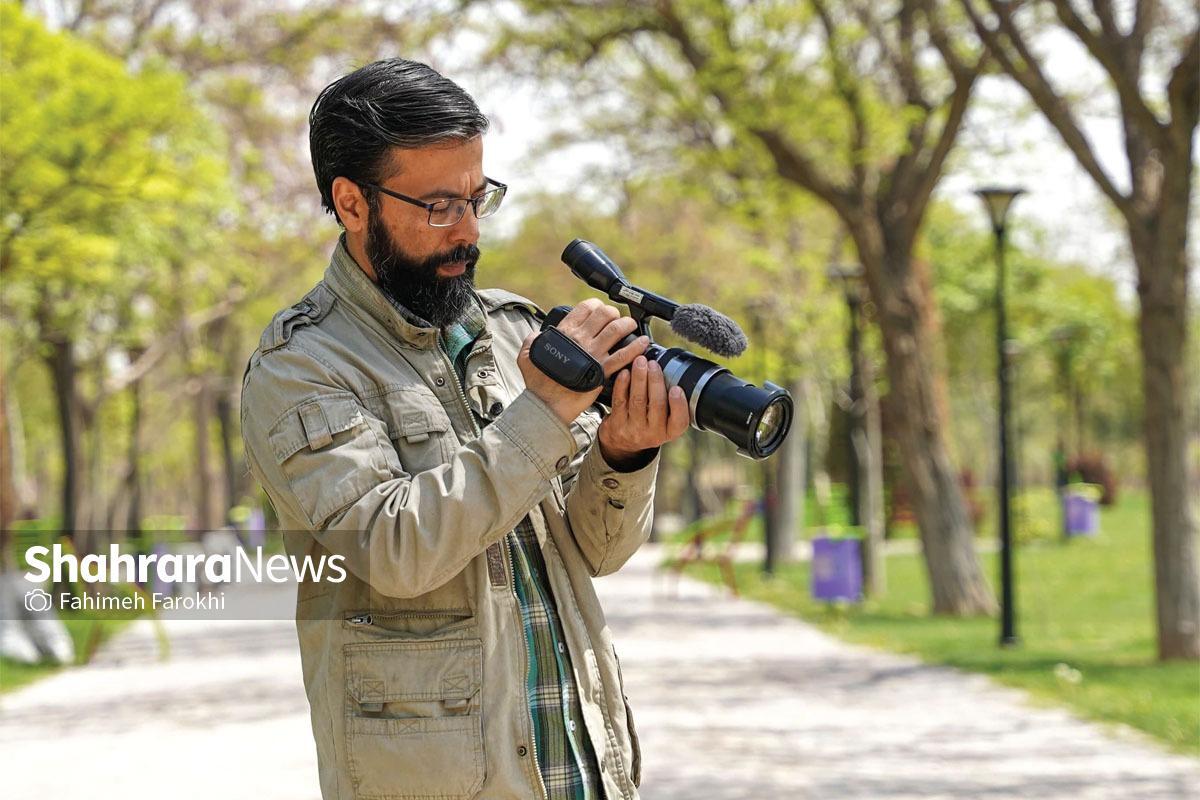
pixel 466 230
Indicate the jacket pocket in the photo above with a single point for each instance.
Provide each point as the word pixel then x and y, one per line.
pixel 418 427
pixel 329 454
pixel 635 745
pixel 413 720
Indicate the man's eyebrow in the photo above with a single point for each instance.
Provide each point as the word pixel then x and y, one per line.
pixel 451 193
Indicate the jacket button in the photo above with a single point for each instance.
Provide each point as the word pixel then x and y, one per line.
pixel 483 373
pixel 440 381
pixel 522 752
pixel 562 463
pixel 496 408
pixel 616 504
pixel 611 483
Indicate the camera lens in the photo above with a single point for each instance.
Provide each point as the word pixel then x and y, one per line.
pixel 771 426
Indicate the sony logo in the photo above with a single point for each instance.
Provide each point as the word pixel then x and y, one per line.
pixel 560 356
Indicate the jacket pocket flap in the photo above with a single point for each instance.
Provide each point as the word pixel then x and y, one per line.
pixel 415 414
pixel 417 424
pixel 313 424
pixel 385 672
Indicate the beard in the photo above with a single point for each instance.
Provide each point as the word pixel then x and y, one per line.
pixel 415 284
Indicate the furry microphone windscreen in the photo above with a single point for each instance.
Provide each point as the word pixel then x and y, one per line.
pixel 710 329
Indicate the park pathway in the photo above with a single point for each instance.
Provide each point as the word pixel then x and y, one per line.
pixel 731 699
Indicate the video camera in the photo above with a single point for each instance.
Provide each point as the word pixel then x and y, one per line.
pixel 755 419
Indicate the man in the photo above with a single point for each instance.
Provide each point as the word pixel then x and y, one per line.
pixel 394 418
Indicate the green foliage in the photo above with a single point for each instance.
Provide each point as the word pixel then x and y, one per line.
pixel 111 180
pixel 1076 339
pixel 1085 618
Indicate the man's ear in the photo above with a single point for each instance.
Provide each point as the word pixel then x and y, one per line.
pixel 350 205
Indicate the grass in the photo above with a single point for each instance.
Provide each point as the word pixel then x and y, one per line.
pixel 1085 617
pixel 88 630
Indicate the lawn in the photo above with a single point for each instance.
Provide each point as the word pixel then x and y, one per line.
pixel 1085 617
pixel 88 631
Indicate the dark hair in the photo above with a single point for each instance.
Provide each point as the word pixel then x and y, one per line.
pixel 360 117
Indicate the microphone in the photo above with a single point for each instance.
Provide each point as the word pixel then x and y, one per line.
pixel 710 329
pixel 697 323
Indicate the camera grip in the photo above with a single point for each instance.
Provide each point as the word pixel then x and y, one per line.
pixel 565 362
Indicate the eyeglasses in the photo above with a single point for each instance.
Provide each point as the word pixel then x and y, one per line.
pixel 445 213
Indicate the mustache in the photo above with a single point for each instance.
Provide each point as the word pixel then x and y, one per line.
pixel 468 253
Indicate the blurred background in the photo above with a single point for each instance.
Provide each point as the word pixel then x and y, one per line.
pixel 808 168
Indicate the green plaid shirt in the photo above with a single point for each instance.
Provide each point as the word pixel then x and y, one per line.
pixel 564 753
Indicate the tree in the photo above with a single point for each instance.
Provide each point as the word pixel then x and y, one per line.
pixel 857 104
pixel 109 178
pixel 1150 57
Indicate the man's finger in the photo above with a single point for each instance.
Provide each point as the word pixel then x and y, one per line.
pixel 598 319
pixel 620 395
pixel 625 356
pixel 575 318
pixel 637 391
pixel 613 332
pixel 528 343
pixel 680 415
pixel 656 396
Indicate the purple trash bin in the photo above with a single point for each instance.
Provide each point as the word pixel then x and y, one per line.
pixel 836 569
pixel 1083 514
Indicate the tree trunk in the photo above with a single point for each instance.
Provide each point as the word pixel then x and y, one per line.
pixel 133 517
pixel 791 477
pixel 8 486
pixel 868 451
pixel 65 373
pixel 1160 252
pixel 907 321
pixel 770 516
pixel 201 413
pixel 224 409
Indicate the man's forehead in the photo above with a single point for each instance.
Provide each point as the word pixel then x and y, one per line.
pixel 441 165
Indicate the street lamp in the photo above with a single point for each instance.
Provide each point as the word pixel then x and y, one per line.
pixel 850 277
pixel 998 201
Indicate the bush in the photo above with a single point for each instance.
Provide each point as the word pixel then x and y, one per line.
pixel 1092 468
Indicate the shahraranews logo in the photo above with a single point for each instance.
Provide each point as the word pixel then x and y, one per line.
pixel 116 566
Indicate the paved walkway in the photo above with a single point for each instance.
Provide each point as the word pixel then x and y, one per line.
pixel 731 700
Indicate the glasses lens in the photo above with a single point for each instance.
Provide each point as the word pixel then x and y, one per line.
pixel 489 203
pixel 446 212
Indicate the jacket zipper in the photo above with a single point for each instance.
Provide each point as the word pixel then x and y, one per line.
pixel 512 575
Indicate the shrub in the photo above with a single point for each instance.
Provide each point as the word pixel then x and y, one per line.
pixel 1092 468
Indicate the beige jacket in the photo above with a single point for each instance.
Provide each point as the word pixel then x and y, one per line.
pixel 356 425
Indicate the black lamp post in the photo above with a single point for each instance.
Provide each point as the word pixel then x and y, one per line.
pixel 850 277
pixel 998 200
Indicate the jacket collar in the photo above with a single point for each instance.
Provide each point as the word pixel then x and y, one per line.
pixel 351 284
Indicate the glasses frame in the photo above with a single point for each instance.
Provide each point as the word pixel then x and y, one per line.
pixel 473 202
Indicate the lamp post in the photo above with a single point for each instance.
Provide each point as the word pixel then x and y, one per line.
pixel 850 276
pixel 998 201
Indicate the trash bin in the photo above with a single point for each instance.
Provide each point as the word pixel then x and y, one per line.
pixel 836 568
pixel 1081 508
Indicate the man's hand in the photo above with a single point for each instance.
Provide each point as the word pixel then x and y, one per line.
pixel 644 415
pixel 596 327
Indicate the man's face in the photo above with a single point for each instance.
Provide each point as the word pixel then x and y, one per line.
pixel 430 271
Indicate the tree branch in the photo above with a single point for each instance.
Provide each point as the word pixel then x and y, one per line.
pixel 165 344
pixel 848 90
pixel 789 162
pixel 1183 91
pixel 1029 74
pixel 1110 51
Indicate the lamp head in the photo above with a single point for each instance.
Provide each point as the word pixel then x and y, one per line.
pixel 998 200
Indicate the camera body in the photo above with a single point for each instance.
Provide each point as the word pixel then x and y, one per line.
pixel 755 419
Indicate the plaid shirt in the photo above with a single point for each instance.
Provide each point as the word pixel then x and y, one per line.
pixel 564 753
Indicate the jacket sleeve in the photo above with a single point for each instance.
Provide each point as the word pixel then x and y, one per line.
pixel 610 513
pixel 327 462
